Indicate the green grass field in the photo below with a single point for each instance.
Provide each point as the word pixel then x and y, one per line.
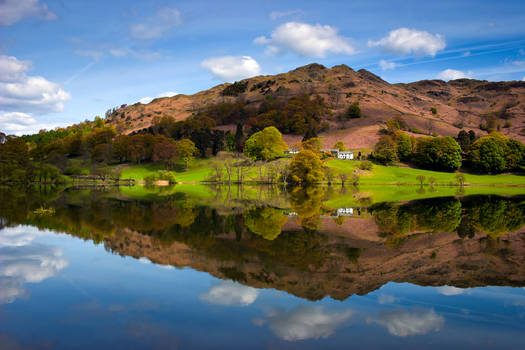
pixel 200 170
pixel 393 175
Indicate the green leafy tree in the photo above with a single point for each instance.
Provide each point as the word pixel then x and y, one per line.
pixel 385 150
pixel 186 151
pixel 314 144
pixel 306 168
pixel 438 153
pixel 404 145
pixel 265 145
pixel 487 154
pixel 340 145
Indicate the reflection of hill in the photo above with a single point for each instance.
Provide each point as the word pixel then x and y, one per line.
pixel 340 267
pixel 312 253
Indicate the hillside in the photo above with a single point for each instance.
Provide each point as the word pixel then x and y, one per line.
pixel 459 103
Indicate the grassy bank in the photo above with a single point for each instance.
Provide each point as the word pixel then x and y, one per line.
pixel 394 175
pixel 200 170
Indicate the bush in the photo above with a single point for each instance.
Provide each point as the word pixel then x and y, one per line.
pixel 366 165
pixel 433 110
pixel 162 175
pixel 76 170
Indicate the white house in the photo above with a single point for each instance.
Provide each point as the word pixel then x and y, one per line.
pixel 345 155
pixel 345 211
pixel 291 151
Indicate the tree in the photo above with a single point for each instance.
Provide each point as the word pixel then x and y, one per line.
pixel 421 179
pixel 460 178
pixel 464 140
pixel 239 138
pixel 488 153
pixel 385 150
pixel 438 153
pixel 265 145
pixel 311 132
pixel 165 151
pixel 340 145
pixel 306 168
pixel 404 145
pixel 353 111
pixel 313 144
pixel 186 151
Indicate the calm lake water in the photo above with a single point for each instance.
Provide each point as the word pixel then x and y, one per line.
pixel 256 268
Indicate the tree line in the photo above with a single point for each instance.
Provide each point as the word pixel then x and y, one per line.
pixel 493 153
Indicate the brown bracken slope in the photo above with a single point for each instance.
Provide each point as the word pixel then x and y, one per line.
pixel 459 103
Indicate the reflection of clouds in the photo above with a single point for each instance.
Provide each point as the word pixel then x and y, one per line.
pixel 144 260
pixel 230 293
pixel 403 323
pixel 18 236
pixel 449 290
pixel 304 322
pixel 32 263
pixel 11 288
pixel 386 299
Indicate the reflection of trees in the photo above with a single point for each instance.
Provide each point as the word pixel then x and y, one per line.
pixel 436 215
pixel 265 222
pixel 493 215
pixel 307 202
pixel 487 214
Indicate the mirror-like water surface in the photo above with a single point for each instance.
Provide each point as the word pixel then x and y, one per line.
pixel 260 268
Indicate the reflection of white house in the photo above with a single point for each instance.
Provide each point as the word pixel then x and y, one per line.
pixel 345 211
pixel 345 155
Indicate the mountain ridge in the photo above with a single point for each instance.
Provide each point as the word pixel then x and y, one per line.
pixel 427 106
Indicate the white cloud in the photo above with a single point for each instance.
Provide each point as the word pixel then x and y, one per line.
pixel 16 121
pixel 274 15
pixel 449 290
pixel 403 323
pixel 230 68
pixel 453 74
pixel 304 322
pixel 31 263
pixel 156 26
pixel 523 79
pixel 22 93
pixel 12 69
pixel 306 40
pixel 146 100
pixel 385 65
pixel 19 235
pixel 386 299
pixel 404 41
pixel 13 11
pixel 230 294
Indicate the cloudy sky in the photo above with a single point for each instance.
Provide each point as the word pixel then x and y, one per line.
pixel 64 61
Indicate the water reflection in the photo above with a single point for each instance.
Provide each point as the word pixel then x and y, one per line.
pixel 230 293
pixel 314 267
pixel 402 323
pixel 305 242
pixel 24 262
pixel 304 322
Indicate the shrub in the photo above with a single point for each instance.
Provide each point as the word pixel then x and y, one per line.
pixel 366 165
pixel 433 110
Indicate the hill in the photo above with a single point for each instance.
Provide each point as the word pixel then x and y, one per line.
pixel 427 106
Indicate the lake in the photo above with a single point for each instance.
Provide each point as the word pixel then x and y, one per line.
pixel 196 267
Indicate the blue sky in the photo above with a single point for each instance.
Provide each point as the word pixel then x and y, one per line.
pixel 64 61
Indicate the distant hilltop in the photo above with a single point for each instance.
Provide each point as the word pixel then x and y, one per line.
pixel 430 106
